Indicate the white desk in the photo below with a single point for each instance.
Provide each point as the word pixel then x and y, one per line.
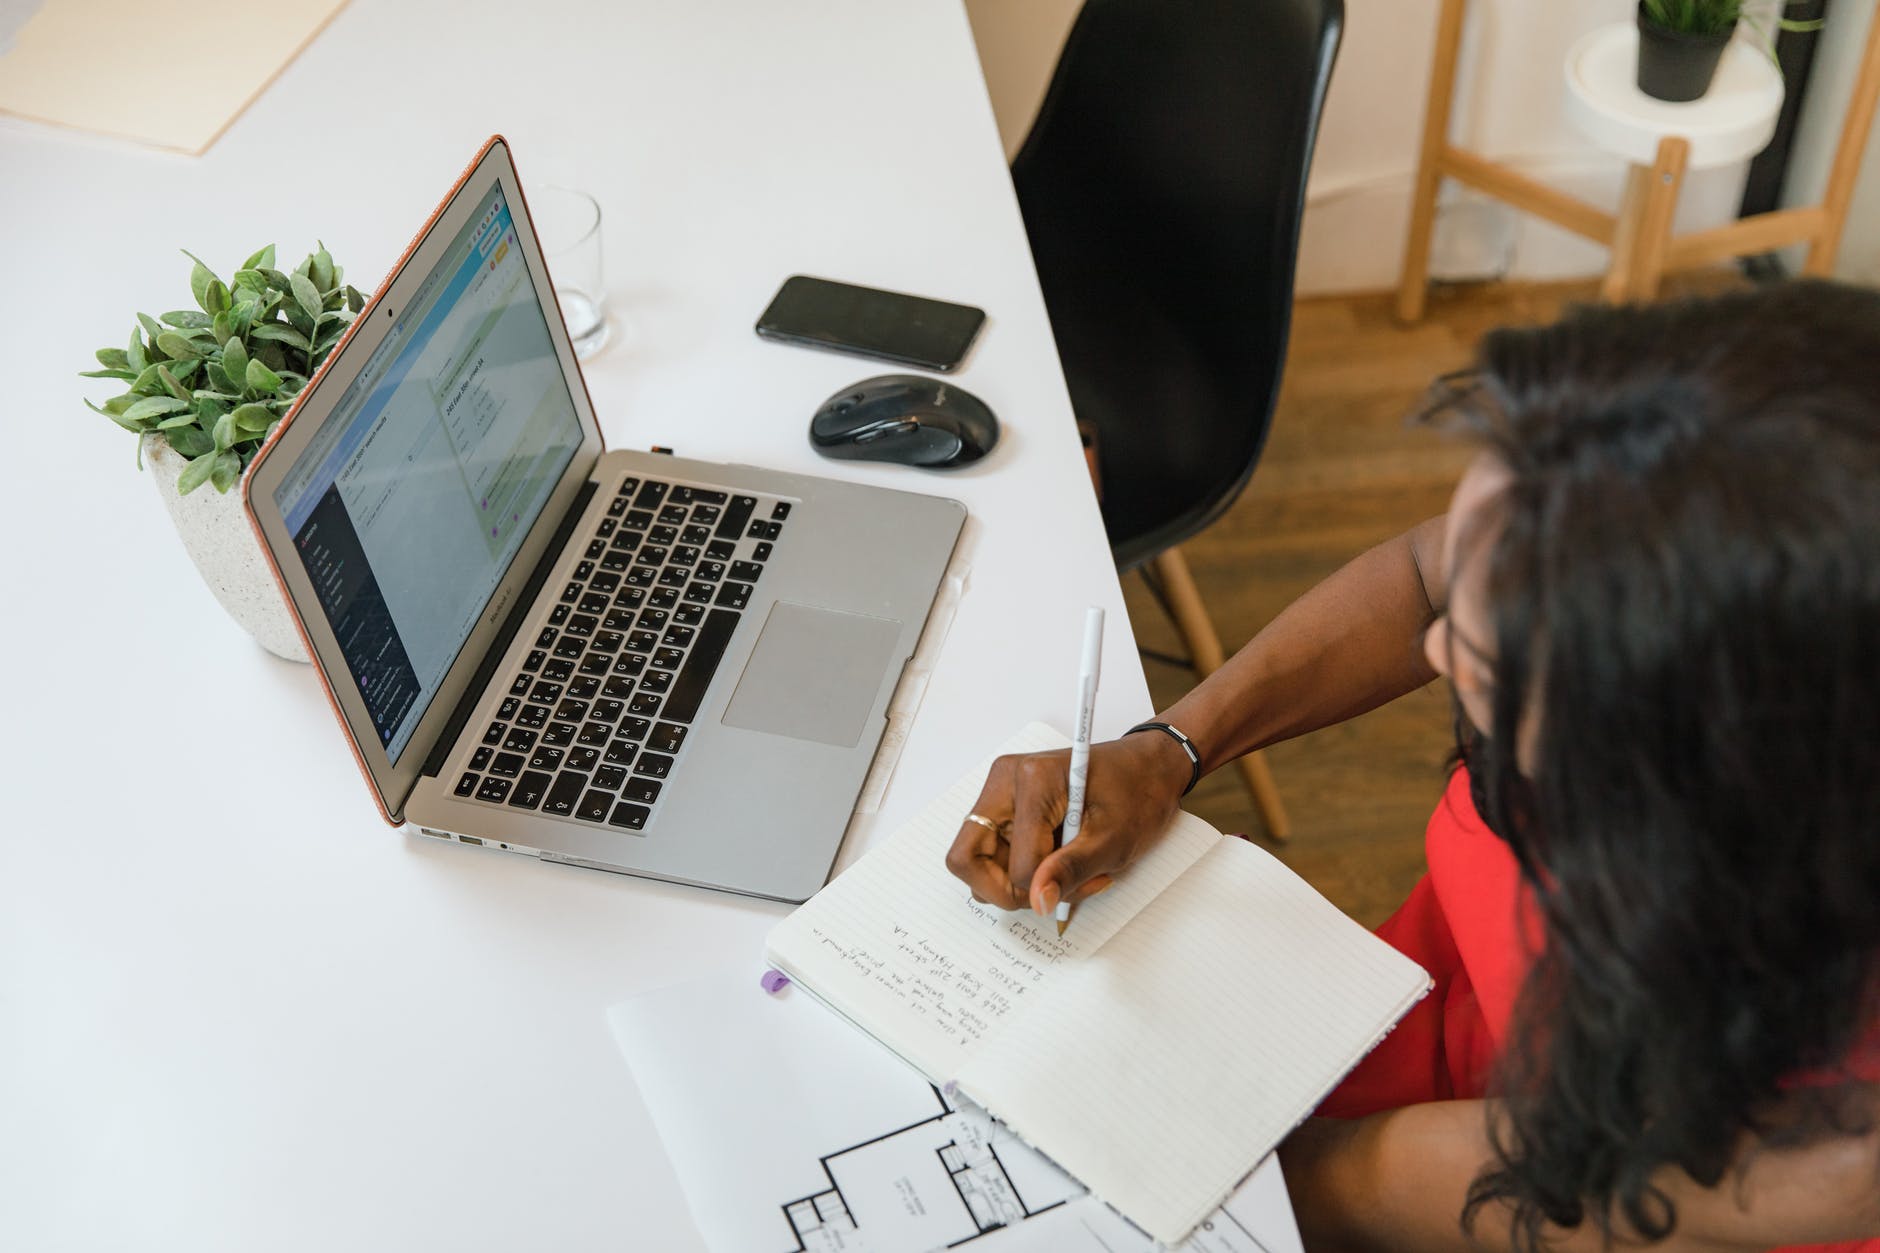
pixel 237 1011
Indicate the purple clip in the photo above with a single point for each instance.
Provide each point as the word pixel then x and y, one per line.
pixel 949 1087
pixel 774 981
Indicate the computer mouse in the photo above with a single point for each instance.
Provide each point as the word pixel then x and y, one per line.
pixel 907 418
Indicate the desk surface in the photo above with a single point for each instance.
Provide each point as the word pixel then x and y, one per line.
pixel 236 1010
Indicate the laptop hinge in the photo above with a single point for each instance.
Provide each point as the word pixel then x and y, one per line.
pixel 518 614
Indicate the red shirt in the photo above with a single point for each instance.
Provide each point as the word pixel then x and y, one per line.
pixel 1466 924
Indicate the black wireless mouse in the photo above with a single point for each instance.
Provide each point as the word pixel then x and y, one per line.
pixel 908 418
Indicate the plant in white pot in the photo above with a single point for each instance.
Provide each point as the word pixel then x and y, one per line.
pixel 1681 42
pixel 205 387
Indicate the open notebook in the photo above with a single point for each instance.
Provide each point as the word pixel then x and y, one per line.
pixel 1190 1017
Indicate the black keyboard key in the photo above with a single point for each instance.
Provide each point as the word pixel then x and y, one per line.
pixel 546 759
pixel 609 641
pixel 644 790
pixel 584 687
pixel 689 693
pixel 519 740
pixel 690 615
pixel 673 515
pixel 595 602
pixel 705 515
pixel 572 710
pixel 467 785
pixel 674 576
pixel 547 638
pixel 644 703
pixel 639 519
pixel 772 530
pixel 530 789
pixel 595 734
pixel 564 793
pixel 708 496
pixel 640 576
pixel 603 582
pixel 618 688
pixel 533 715
pixel 626 542
pixel 652 619
pixel 682 495
pixel 495 734
pixel 480 758
pixel 507 710
pixel 534 660
pixel 520 685
pixel 684 556
pixel 694 535
pixel 746 571
pixel 701 594
pixel 667 737
pixel 494 790
pixel 663 598
pixel 509 765
pixel 584 759
pixel 607 527
pixel 582 624
pixel 635 729
pixel 616 507
pixel 679 636
pixel 609 710
pixel 594 806
pixel 570 647
pixel 610 777
pixel 709 571
pixel 668 658
pixel 595 663
pixel 653 765
pixel 616 560
pixel 620 752
pixel 629 664
pixel 780 510
pixel 596 549
pixel 559 734
pixel 545 692
pixel 651 555
pixel 618 619
pixel 757 530
pixel 558 615
pixel 642 641
pixel 652 492
pixel 571 593
pixel 658 682
pixel 558 670
pixel 666 535
pixel 629 597
pixel 629 487
pixel 761 553
pixel 720 549
pixel 582 569
pixel 632 817
pixel 734 595
pixel 736 514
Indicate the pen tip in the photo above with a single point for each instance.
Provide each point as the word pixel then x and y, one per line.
pixel 1062 924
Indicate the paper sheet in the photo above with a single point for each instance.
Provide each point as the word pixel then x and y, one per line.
pixel 790 1130
pixel 126 67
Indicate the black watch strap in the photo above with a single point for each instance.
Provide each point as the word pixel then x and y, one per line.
pixel 1188 746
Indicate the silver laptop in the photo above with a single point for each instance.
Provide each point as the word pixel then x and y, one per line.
pixel 621 660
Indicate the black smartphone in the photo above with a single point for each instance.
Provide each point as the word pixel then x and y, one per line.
pixel 869 322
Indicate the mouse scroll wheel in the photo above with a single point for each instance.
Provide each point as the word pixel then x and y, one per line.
pixel 886 429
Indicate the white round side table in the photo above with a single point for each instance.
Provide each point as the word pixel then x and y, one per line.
pixel 1661 140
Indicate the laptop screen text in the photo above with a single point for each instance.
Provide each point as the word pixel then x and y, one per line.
pixel 412 500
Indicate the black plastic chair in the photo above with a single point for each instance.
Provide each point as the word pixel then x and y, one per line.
pixel 1162 186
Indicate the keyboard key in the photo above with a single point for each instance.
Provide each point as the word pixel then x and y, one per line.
pixel 758 530
pixel 572 710
pixel 780 510
pixel 673 515
pixel 545 692
pixel 595 602
pixel 642 641
pixel 668 658
pixel 530 789
pixel 746 571
pixel 706 515
pixel 663 598
pixel 651 555
pixel 571 593
pixel 656 681
pixel 595 663
pixel 618 619
pixel 558 670
pixel 690 615
pixel 667 737
pixel 629 487
pixel 720 549
pixel 666 535
pixel 509 765
pixel 584 759
pixel 507 709
pixel 546 759
pixel 737 513
pixel 689 693
pixel 616 560
pixel 620 752
pixel 534 660
pixel 734 595
pixel 582 569
pixel 632 817
pixel 467 785
pixel 594 806
pixel 481 758
pixel 629 664
pixel 635 729
pixel 570 647
pixel 584 687
pixel 547 638
pixel 495 734
pixel 559 734
pixel 644 703
pixel 761 552
pixel 629 597
pixel 772 530
pixel 701 594
pixel 610 778
pixel 708 496
pixel 616 507
pixel 639 519
pixel 618 688
pixel 674 576
pixel 684 556
pixel 582 624
pixel 653 765
pixel 603 582
pixel 594 733
pixel 558 615
pixel 695 535
pixel 709 571
pixel 519 740
pixel 645 790
pixel 519 686
pixel 596 548
pixel 608 641
pixel 626 541
pixel 564 793
pixel 640 576
pixel 533 715
pixel 681 495
pixel 651 493
pixel 652 619
pixel 679 636
pixel 607 527
pixel 494 790
pixel 609 711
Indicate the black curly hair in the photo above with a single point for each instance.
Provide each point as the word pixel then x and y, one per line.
pixel 1685 592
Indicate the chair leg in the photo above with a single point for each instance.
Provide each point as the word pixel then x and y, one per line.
pixel 1412 285
pixel 1625 239
pixel 1204 646
pixel 1664 182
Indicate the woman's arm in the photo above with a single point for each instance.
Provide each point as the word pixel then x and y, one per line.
pixel 1398 1181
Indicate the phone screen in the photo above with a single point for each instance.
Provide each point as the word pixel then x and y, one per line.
pixel 869 322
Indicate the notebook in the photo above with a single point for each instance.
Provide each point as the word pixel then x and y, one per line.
pixel 1189 1018
pixel 619 660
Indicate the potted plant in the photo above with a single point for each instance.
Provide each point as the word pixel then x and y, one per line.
pixel 204 388
pixel 1681 42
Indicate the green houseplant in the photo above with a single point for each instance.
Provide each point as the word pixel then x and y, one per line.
pixel 1681 42
pixel 204 388
pixel 212 382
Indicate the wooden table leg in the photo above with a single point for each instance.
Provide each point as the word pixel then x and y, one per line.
pixel 1665 180
pixel 1413 282
pixel 1625 239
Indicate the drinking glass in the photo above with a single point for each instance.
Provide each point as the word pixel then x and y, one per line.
pixel 569 225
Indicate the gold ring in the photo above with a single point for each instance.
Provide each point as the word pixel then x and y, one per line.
pixel 987 823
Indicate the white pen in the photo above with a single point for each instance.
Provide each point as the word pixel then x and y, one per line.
pixel 1087 671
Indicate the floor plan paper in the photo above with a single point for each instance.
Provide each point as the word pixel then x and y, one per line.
pixel 793 1132
pixel 127 67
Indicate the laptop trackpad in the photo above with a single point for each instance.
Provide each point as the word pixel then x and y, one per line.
pixel 814 674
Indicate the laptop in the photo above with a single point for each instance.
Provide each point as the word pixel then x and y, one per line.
pixel 620 660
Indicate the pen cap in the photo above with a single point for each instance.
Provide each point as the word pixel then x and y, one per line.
pixel 1092 662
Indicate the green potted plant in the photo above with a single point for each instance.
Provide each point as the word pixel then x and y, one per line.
pixel 205 387
pixel 1681 42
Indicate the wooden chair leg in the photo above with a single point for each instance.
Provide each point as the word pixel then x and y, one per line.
pixel 1204 646
pixel 1412 285
pixel 1625 239
pixel 1663 184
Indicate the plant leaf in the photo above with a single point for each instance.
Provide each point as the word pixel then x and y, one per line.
pixel 220 380
pixel 234 359
pixel 185 370
pixel 125 375
pixel 209 408
pixel 306 295
pixel 190 441
pixel 155 407
pixel 228 468
pixel 119 418
pixel 134 358
pixel 200 277
pixel 252 419
pixel 148 382
pixel 250 281
pixel 176 347
pixel 218 297
pixel 321 271
pixel 176 388
pixel 196 473
pixel 261 379
pixel 241 318
pixel 113 359
pixel 354 300
pixel 225 434
pixel 187 319
pixel 282 334
pixel 221 327
pixel 151 327
pixel 176 420
pixel 301 320
pixel 118 404
pixel 262 258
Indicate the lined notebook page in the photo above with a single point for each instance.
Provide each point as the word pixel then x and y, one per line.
pixel 1161 1070
pixel 898 945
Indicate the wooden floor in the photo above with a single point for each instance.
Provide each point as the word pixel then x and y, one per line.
pixel 1343 470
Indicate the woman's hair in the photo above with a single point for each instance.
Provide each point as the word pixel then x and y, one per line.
pixel 1685 595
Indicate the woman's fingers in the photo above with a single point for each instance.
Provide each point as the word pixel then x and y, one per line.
pixel 1041 788
pixel 981 852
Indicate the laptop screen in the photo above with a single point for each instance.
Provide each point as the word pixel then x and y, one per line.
pixel 412 499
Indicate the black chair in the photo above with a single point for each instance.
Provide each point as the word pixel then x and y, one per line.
pixel 1162 186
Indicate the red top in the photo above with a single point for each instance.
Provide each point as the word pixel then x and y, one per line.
pixel 1466 924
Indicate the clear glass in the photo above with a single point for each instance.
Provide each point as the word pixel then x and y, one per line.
pixel 569 225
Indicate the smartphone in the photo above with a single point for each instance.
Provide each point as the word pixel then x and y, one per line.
pixel 889 326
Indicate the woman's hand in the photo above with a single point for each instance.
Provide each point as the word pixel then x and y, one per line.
pixel 1131 796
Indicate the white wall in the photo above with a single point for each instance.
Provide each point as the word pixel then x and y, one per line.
pixel 1507 107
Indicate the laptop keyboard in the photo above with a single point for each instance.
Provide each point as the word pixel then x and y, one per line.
pixel 594 723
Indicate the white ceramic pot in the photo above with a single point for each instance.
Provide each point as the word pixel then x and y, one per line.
pixel 219 539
